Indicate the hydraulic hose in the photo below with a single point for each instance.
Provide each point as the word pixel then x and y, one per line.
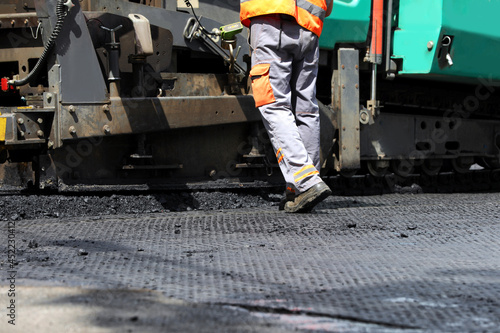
pixel 61 14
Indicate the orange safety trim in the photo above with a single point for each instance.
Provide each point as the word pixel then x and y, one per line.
pixel 307 175
pixel 303 169
pixel 279 155
pixel 303 173
pixel 262 91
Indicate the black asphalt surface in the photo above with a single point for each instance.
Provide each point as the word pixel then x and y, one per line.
pixel 387 263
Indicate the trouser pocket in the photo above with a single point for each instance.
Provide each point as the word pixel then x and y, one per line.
pixel 262 91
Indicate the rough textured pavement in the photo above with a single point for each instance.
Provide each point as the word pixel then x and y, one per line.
pixel 391 263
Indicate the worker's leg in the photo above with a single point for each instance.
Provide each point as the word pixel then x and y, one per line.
pixel 271 70
pixel 303 86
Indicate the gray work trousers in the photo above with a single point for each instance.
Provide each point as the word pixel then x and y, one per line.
pixel 285 56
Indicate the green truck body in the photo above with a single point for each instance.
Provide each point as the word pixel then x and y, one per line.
pixel 419 27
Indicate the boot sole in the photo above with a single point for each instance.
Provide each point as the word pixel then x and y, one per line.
pixel 308 204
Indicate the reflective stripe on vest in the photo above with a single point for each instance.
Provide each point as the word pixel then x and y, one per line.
pixel 308 13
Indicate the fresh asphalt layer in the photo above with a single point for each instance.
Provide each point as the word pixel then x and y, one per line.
pixel 390 263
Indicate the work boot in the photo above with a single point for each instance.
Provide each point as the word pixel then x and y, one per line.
pixel 305 201
pixel 288 196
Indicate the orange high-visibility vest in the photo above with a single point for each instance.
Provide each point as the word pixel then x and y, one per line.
pixel 308 13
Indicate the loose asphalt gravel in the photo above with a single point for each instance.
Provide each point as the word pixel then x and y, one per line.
pixel 19 207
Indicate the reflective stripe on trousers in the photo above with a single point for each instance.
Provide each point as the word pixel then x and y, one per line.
pixel 290 111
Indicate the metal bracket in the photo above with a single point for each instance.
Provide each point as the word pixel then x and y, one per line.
pixel 346 103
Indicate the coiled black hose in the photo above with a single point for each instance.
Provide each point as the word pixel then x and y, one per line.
pixel 61 14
